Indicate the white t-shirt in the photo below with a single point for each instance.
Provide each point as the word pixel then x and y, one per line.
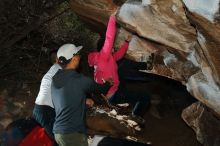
pixel 44 95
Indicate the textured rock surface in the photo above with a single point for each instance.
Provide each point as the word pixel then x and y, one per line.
pixel 204 123
pixel 185 43
pixel 162 27
pixel 209 41
pixel 163 22
pixel 205 84
pixel 207 9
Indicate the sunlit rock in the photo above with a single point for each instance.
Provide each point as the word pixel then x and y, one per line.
pixel 140 49
pixel 185 68
pixel 185 42
pixel 164 22
pixel 204 123
pixel 209 42
pixel 146 2
pixel 168 62
pixel 206 8
pixel 205 85
pixel 162 28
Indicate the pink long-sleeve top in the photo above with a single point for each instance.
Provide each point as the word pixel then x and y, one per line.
pixel 104 62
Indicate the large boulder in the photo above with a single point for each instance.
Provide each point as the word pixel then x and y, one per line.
pixel 204 123
pixel 184 53
pixel 207 9
pixel 162 21
pixel 183 35
pixel 204 85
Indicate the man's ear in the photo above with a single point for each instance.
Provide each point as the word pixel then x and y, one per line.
pixel 75 59
pixel 56 60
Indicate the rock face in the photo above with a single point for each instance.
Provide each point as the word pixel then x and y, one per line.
pixel 207 9
pixel 183 52
pixel 95 13
pixel 205 84
pixel 204 123
pixel 162 21
pixel 183 35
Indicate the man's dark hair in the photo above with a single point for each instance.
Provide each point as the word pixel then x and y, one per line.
pixel 53 56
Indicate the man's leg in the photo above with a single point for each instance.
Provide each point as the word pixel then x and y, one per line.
pixel 140 102
pixel 141 105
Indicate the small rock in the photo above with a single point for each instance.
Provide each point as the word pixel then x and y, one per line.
pixel 131 138
pixel 137 128
pixel 113 112
pixel 120 117
pixel 131 123
pixel 123 105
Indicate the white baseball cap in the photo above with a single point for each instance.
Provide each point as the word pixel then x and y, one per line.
pixel 68 50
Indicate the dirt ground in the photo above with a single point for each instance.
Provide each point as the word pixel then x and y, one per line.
pixel 169 132
pixel 164 125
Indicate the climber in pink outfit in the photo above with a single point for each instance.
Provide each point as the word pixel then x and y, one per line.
pixel 104 62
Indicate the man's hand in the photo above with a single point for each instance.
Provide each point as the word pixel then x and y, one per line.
pixel 89 102
pixel 115 11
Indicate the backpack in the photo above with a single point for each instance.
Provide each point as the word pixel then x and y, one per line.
pixel 25 132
